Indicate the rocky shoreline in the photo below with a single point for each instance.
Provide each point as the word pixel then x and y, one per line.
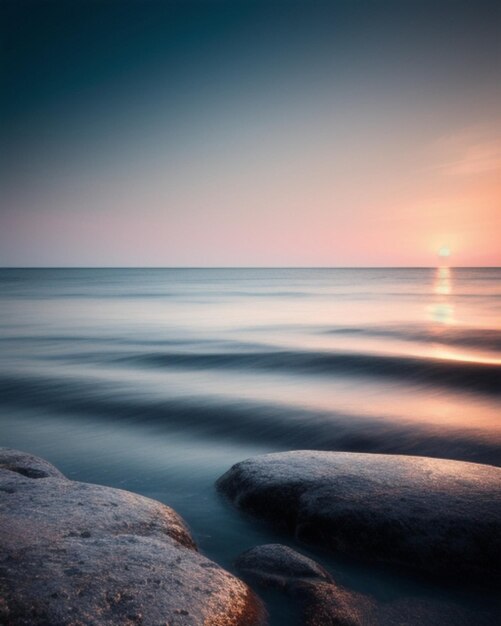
pixel 77 554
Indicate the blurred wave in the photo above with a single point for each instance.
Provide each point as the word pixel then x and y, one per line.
pixel 487 338
pixel 482 377
pixel 244 420
pixel 385 360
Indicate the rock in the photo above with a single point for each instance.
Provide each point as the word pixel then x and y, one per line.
pixel 436 516
pixel 75 553
pixel 27 464
pixel 277 565
pixel 323 602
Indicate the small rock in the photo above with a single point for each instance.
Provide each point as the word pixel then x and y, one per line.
pixel 276 565
pixel 27 464
pixel 323 602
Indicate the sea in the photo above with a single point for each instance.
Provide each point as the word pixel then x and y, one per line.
pixel 159 380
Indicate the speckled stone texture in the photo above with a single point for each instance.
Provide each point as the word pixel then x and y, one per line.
pixel 437 516
pixel 78 554
pixel 323 603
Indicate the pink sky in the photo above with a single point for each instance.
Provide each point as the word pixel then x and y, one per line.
pixel 302 204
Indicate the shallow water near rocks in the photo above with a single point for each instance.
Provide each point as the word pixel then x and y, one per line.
pixel 157 381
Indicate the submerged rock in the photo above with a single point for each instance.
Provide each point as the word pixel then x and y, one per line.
pixel 433 515
pixel 323 602
pixel 75 553
pixel 277 565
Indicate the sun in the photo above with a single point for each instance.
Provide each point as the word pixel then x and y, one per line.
pixel 444 252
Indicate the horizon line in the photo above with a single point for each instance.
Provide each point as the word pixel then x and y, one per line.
pixel 240 267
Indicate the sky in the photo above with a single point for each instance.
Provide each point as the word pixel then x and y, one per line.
pixel 250 133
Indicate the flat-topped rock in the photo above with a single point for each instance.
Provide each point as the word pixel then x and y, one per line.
pixel 74 553
pixel 433 515
pixel 322 602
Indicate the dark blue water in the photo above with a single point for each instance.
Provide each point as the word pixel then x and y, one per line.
pixel 158 380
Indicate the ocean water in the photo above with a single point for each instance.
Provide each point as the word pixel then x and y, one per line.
pixel 158 380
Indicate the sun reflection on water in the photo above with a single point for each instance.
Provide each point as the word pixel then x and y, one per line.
pixel 443 285
pixel 441 313
pixel 441 310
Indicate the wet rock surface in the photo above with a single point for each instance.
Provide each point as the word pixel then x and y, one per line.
pixel 436 516
pixel 322 602
pixel 80 554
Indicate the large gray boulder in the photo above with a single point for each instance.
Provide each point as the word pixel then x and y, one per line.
pixel 81 554
pixel 437 516
pixel 322 601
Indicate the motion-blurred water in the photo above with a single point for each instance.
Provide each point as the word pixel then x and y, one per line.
pixel 157 380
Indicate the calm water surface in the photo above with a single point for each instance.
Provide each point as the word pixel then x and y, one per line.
pixel 158 380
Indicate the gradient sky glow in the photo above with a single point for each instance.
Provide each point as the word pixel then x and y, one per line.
pixel 253 133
